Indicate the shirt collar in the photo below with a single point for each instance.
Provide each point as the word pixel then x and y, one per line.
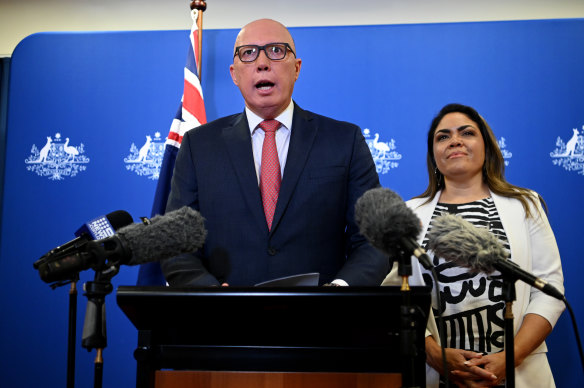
pixel 285 118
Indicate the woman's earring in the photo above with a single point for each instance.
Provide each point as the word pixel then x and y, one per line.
pixel 438 177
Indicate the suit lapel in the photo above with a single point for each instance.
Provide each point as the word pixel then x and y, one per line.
pixel 237 140
pixel 301 139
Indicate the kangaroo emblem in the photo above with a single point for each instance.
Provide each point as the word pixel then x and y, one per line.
pixel 44 152
pixel 144 150
pixel 571 144
pixel 146 160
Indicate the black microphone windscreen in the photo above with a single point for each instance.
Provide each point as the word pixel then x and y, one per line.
pixel 457 240
pixel 384 219
pixel 176 232
pixel 119 219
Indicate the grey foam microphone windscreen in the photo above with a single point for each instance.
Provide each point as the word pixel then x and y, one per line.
pixel 460 242
pixel 385 219
pixel 176 232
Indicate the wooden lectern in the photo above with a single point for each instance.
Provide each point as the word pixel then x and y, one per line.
pixel 276 337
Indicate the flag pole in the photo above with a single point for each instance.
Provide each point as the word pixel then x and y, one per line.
pixel 190 114
pixel 200 6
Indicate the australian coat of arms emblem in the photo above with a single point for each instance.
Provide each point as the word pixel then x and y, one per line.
pixel 57 159
pixel 570 154
pixel 384 154
pixel 146 160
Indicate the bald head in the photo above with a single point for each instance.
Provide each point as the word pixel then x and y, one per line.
pixel 266 84
pixel 262 27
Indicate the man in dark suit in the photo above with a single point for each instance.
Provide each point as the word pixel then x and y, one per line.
pixel 294 212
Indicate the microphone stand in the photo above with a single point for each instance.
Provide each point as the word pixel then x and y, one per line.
pixel 408 326
pixel 509 297
pixel 94 328
pixel 72 331
pixel 72 326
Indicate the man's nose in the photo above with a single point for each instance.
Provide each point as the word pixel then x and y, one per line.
pixel 262 61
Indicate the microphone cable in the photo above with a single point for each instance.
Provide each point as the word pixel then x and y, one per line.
pixel 575 326
pixel 441 330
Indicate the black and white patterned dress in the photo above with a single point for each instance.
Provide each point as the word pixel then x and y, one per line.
pixel 472 305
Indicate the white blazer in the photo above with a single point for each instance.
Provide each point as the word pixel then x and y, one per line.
pixel 533 248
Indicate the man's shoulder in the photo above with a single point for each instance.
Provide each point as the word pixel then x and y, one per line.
pixel 211 128
pixel 324 121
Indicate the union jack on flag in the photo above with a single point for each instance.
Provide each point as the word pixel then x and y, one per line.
pixel 190 114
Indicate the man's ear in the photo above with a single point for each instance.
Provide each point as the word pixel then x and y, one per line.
pixel 298 66
pixel 232 72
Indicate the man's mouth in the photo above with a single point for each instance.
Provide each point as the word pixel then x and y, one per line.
pixel 264 85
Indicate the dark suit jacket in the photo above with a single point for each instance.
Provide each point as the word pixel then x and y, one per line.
pixel 328 168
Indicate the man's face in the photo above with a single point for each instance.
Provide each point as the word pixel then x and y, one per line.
pixel 266 85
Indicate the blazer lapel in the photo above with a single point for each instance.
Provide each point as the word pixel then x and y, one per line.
pixel 238 143
pixel 301 140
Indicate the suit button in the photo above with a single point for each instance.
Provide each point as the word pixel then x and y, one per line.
pixel 272 251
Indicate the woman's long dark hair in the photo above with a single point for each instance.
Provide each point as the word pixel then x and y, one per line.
pixel 493 167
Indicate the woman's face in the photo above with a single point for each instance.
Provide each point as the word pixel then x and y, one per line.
pixel 459 147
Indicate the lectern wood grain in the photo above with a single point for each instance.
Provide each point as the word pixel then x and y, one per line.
pixel 206 379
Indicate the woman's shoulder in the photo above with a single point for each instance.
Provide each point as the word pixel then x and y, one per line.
pixel 416 201
pixel 419 203
pixel 531 198
pixel 528 194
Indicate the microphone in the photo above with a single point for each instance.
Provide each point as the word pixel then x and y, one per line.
pixel 389 224
pixel 458 241
pixel 102 227
pixel 162 237
pixel 97 228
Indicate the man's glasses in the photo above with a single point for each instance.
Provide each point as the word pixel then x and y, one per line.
pixel 274 51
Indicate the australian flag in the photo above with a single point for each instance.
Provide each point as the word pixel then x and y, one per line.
pixel 190 114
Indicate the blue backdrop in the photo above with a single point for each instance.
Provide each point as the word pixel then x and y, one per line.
pixel 106 92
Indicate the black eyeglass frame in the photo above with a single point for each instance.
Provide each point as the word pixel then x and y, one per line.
pixel 260 48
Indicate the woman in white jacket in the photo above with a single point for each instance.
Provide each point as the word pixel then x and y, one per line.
pixel 466 177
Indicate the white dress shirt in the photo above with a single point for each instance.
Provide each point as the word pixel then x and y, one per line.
pixel 282 137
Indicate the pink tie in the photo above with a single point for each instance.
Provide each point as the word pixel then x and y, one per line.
pixel 270 170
